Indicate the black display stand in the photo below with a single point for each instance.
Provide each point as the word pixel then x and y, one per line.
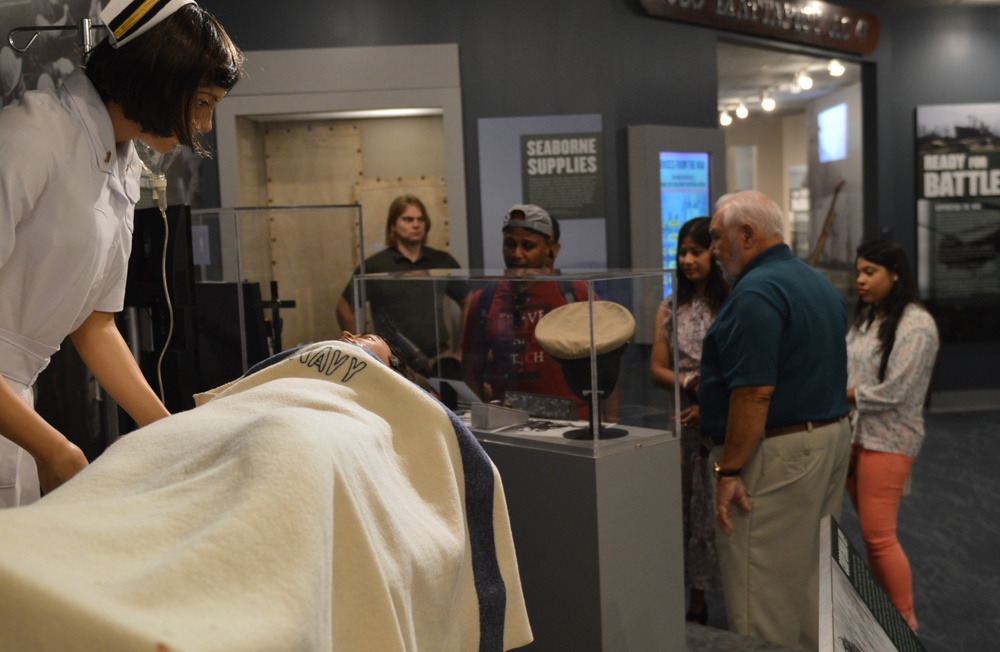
pixel 218 325
pixel 578 377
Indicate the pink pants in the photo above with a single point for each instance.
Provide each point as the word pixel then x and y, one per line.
pixel 875 483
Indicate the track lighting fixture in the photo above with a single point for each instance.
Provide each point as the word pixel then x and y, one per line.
pixel 767 102
pixel 836 68
pixel 742 111
pixel 725 119
pixel 804 81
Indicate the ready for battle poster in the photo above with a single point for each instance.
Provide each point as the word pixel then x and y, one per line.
pixel 958 218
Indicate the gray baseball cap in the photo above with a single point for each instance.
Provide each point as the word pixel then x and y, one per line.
pixel 535 219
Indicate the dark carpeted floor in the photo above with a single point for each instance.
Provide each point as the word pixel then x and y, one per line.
pixel 950 530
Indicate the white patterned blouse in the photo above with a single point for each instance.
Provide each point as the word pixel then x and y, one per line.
pixel 890 413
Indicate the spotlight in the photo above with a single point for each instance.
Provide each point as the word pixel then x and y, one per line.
pixel 742 111
pixel 767 103
pixel 836 68
pixel 725 119
pixel 804 81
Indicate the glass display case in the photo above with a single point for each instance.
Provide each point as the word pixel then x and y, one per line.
pixel 532 356
pixel 550 369
pixel 550 372
pixel 268 279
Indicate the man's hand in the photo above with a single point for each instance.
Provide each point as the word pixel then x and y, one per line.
pixel 730 492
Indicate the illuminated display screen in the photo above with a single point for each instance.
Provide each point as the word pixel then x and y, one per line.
pixel 684 195
pixel 833 133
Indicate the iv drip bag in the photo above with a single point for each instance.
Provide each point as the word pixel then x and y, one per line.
pixel 154 171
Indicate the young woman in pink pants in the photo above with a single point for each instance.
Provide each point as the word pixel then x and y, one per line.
pixel 891 350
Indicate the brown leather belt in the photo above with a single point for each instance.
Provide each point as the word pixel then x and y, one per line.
pixel 797 427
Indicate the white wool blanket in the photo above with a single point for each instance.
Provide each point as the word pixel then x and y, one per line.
pixel 322 502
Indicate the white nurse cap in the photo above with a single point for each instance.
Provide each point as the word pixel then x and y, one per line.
pixel 127 19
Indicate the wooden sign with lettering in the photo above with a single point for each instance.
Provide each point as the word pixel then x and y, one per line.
pixel 809 22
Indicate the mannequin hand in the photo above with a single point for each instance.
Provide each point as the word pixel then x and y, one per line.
pixel 67 461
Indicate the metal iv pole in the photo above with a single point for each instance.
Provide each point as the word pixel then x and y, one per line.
pixel 83 29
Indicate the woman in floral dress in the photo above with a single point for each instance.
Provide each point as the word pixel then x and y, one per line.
pixel 700 292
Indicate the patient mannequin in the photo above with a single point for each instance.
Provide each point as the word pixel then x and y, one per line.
pixel 372 343
pixel 175 527
pixel 384 351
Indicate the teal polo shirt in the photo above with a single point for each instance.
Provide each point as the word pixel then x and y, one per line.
pixel 784 325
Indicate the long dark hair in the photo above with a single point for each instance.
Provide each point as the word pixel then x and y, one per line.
pixel 155 77
pixel 716 289
pixel 890 255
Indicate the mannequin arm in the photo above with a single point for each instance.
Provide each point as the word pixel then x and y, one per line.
pixel 108 357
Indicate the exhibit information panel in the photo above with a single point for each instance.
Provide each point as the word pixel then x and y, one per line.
pixel 855 612
pixel 958 218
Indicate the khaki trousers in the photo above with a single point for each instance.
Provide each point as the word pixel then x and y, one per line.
pixel 770 563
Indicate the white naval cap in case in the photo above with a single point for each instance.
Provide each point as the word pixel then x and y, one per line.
pixel 127 19
pixel 564 333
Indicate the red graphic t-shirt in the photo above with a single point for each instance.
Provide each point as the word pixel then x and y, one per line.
pixel 514 360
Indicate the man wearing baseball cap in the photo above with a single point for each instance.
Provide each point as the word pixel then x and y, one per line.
pixel 499 349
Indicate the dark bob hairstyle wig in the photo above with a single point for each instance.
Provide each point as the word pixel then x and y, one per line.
pixel 154 78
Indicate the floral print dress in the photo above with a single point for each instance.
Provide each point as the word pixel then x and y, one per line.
pixel 701 564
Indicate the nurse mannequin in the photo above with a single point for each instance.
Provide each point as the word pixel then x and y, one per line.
pixel 69 180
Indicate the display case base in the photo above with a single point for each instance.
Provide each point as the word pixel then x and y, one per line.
pixel 598 538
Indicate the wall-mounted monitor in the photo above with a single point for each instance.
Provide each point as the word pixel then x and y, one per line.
pixel 674 175
pixel 833 133
pixel 684 195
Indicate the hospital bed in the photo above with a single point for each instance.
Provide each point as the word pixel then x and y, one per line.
pixel 322 502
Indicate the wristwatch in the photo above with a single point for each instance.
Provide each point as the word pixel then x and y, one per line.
pixel 725 473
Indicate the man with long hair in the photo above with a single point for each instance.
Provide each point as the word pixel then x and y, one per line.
pixel 407 314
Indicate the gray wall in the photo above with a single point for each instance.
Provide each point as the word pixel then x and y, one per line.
pixel 935 56
pixel 523 58
pixel 530 57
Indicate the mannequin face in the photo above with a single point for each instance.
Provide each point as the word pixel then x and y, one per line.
pixel 369 342
pixel 202 110
pixel 875 281
pixel 203 106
